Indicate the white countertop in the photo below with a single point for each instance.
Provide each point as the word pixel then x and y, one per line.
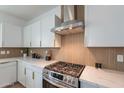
pixel 103 77
pixel 7 60
pixel 36 62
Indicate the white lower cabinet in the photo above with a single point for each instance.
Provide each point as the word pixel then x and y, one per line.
pixel 33 78
pixel 87 84
pixel 29 76
pixel 38 79
pixel 22 73
pixel 7 73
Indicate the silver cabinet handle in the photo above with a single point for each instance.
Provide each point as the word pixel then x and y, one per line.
pixel 40 43
pixel 2 43
pixel 54 43
pixel 30 44
pixel 25 71
pixel 33 76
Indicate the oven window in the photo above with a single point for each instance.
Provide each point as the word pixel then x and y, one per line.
pixel 46 84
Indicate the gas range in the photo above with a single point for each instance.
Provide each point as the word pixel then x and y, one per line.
pixel 63 74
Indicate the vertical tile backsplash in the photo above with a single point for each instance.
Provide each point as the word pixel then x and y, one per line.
pixel 74 51
pixel 10 52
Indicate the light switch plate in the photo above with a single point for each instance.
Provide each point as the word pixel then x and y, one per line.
pixel 21 51
pixel 31 51
pixel 2 52
pixel 120 58
pixel 7 52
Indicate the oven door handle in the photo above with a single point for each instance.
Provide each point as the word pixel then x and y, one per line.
pixel 55 84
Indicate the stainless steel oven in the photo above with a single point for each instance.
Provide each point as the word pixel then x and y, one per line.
pixel 53 79
pixel 62 75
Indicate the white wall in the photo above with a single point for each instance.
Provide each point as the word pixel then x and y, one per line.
pixel 11 19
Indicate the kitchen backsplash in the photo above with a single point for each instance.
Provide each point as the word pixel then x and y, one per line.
pixel 73 50
pixel 10 52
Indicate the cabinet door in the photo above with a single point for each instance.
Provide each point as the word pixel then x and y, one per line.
pixel 37 79
pixel 35 35
pixel 48 22
pixel 104 29
pixel 22 73
pixel 47 36
pixel 12 36
pixel 29 78
pixel 1 40
pixel 27 36
pixel 33 78
pixel 7 73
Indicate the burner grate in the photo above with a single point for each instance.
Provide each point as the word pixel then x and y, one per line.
pixel 67 68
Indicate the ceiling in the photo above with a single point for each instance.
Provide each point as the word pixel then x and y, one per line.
pixel 26 12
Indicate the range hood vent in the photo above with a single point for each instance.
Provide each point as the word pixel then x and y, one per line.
pixel 71 20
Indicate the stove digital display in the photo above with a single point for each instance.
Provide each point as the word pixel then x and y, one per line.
pixel 58 76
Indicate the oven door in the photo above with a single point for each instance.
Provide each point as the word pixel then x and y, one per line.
pixel 47 84
pixel 53 83
pixel 50 83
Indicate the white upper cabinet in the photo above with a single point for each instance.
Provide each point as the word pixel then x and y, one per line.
pixel 10 35
pixel 27 36
pixel 48 22
pixel 104 26
pixel 35 34
pixel 47 36
pixel 38 34
pixel 1 35
pixel 32 35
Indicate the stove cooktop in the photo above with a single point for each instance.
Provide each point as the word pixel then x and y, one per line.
pixel 71 69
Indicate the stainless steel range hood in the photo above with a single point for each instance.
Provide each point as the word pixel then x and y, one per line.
pixel 72 20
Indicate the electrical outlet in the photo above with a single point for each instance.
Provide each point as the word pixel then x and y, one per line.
pixel 120 58
pixel 7 52
pixel 2 52
pixel 31 51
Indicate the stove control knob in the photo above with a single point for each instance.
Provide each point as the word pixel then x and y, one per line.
pixel 46 72
pixel 69 81
pixel 73 82
pixel 65 79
